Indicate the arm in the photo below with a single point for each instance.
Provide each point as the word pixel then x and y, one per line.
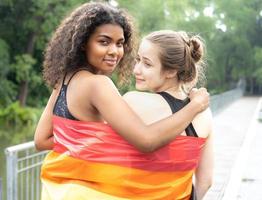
pixel 44 131
pixel 204 172
pixel 147 138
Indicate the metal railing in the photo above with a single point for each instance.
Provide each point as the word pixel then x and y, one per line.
pixel 23 172
pixel 220 101
pixel 24 162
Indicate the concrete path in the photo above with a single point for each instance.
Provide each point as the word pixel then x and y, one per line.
pixel 251 179
pixel 234 136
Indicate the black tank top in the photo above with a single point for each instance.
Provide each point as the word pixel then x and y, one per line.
pixel 61 108
pixel 177 104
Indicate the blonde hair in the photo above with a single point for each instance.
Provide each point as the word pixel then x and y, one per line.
pixel 182 53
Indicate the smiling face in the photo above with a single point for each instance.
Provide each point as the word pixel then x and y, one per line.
pixel 104 49
pixel 148 69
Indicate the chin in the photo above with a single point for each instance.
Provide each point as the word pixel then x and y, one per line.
pixel 141 88
pixel 110 71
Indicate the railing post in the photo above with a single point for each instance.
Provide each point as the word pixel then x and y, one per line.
pixel 11 169
pixel 22 162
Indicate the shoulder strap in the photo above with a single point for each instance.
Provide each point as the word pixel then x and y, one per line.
pixel 63 83
pixel 71 77
pixel 74 74
pixel 176 105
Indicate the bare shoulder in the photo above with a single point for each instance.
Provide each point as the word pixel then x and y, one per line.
pixel 86 86
pixel 96 80
pixel 151 107
pixel 205 115
pixel 86 81
pixel 147 100
pixel 203 123
pixel 145 96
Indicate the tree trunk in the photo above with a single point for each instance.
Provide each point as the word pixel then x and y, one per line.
pixel 251 86
pixel 23 89
pixel 228 70
pixel 31 43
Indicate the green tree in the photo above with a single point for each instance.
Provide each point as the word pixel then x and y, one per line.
pixel 8 88
pixel 27 26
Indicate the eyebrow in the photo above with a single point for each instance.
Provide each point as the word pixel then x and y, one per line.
pixel 145 58
pixel 106 36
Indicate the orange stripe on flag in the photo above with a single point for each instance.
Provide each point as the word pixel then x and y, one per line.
pixel 62 171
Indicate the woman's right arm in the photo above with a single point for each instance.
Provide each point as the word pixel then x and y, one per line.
pixel 204 171
pixel 146 138
pixel 43 137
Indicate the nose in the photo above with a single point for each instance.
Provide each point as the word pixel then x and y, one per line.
pixel 137 69
pixel 112 50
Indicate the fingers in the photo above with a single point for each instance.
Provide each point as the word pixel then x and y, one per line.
pixel 201 97
pixel 201 90
pixel 194 90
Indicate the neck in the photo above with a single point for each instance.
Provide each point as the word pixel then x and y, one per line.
pixel 175 89
pixel 177 92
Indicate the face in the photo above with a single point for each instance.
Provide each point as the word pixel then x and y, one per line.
pixel 148 70
pixel 104 49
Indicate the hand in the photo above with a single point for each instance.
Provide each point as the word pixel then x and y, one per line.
pixel 200 97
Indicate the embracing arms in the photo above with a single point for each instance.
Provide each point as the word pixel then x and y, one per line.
pixel 121 117
pixel 104 97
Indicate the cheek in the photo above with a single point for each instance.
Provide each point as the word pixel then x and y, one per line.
pixel 100 50
pixel 121 53
pixel 154 80
pixel 149 77
pixel 97 50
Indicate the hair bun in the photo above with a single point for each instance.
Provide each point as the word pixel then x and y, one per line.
pixel 196 48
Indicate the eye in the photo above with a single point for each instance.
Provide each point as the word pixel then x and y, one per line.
pixel 147 64
pixel 137 59
pixel 104 42
pixel 120 44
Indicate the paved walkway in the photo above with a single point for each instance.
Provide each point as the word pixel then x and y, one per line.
pixel 251 183
pixel 232 144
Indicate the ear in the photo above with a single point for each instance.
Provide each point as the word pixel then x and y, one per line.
pixel 171 73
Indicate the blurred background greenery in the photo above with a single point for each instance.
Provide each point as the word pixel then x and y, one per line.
pixel 232 31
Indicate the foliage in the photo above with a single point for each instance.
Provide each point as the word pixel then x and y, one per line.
pixel 8 88
pixel 258 64
pixel 17 123
pixel 23 68
pixel 26 26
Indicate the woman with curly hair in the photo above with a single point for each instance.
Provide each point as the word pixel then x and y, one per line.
pixel 86 122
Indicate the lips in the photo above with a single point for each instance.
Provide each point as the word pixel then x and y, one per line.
pixel 139 80
pixel 111 62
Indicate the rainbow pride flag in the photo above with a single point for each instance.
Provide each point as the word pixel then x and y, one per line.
pixel 90 161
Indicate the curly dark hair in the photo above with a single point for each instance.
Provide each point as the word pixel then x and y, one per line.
pixel 64 54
